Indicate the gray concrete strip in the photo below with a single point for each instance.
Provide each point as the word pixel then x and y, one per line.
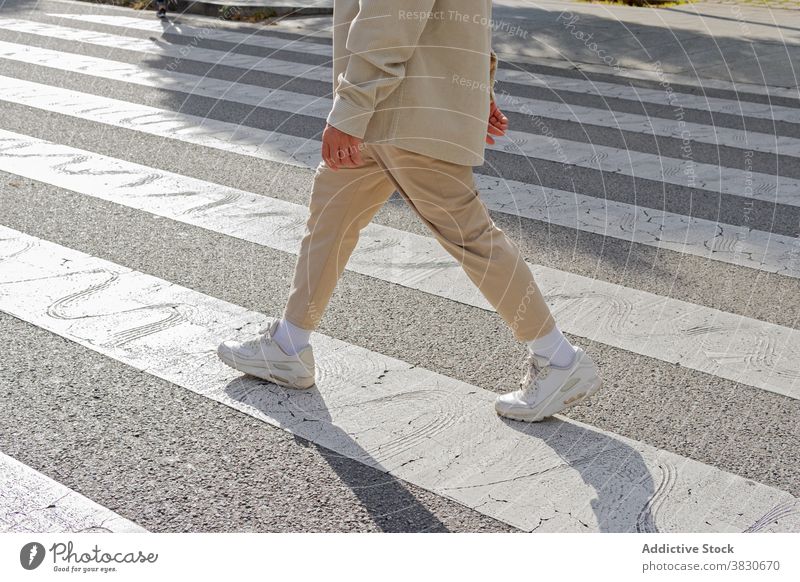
pixel 321 4
pixel 680 38
pixel 277 9
pixel 414 424
pixel 33 503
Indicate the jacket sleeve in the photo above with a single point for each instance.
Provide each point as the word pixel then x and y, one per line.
pixel 492 71
pixel 381 39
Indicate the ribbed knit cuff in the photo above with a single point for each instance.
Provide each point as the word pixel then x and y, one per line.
pixel 349 118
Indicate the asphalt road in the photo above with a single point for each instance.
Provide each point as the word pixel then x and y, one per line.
pixel 171 460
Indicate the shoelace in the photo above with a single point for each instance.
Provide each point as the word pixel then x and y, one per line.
pixel 261 337
pixel 533 373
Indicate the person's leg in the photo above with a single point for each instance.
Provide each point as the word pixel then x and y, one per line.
pixel 443 195
pixel 291 338
pixel 342 203
pixel 554 346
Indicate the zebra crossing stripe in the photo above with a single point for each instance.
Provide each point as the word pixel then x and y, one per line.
pixel 742 349
pixel 32 502
pixel 300 103
pixel 736 245
pixel 176 52
pixel 323 72
pixel 203 33
pixel 278 99
pixel 672 99
pixel 679 171
pixel 682 171
pixel 425 428
pixel 235 37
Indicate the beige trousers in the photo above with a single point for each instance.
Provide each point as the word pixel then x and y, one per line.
pixel 443 195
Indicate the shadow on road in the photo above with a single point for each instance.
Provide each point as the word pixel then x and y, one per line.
pixel 617 474
pixel 390 504
pixel 623 484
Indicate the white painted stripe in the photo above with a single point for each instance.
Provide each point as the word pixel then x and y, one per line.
pixel 203 33
pixel 237 92
pixel 320 106
pixel 673 99
pixel 215 33
pixel 420 426
pixel 673 128
pixel 682 172
pixel 177 52
pixel 33 503
pixel 736 245
pixel 746 350
pixel 554 82
pixel 650 74
pixel 189 128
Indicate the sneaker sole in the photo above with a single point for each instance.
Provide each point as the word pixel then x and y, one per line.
pixel 573 399
pixel 264 373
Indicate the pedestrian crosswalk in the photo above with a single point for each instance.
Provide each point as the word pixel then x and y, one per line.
pixel 562 83
pixel 210 33
pixel 735 107
pixel 33 503
pixel 745 350
pixel 319 106
pixel 415 424
pixel 741 245
pixel 675 171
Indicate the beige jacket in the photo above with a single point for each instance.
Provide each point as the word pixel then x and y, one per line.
pixel 416 74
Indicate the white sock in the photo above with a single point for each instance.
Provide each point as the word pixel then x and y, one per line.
pixel 553 346
pixel 291 338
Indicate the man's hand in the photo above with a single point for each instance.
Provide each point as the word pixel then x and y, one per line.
pixel 498 123
pixel 340 149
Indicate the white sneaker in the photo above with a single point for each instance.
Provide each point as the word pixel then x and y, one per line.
pixel 261 356
pixel 547 389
